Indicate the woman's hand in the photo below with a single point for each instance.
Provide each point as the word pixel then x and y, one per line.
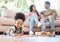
pixel 40 16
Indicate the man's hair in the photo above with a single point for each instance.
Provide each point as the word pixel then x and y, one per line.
pixel 48 3
pixel 20 15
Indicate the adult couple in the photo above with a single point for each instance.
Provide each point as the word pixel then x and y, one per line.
pixel 47 15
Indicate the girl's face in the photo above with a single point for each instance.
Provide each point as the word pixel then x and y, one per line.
pixel 34 8
pixel 19 23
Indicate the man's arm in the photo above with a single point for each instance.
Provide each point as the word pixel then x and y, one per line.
pixel 54 14
pixel 42 14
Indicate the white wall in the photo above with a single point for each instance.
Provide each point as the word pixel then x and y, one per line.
pixel 59 7
pixel 40 4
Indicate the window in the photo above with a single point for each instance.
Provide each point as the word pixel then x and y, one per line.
pixel 23 5
pixel 40 4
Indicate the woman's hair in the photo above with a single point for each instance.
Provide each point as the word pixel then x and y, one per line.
pixel 31 9
pixel 20 15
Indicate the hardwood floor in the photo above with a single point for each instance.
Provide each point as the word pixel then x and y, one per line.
pixel 57 33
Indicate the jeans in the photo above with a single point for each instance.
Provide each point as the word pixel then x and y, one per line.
pixel 51 22
pixel 32 20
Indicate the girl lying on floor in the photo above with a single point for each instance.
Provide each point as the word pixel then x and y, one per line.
pixel 16 30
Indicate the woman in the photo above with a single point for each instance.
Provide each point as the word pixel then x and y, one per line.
pixel 33 18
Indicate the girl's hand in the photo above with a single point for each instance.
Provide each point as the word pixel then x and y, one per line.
pixel 21 34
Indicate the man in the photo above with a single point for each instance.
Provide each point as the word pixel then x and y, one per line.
pixel 49 15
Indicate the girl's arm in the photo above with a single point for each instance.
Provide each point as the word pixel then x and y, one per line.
pixel 12 33
pixel 21 34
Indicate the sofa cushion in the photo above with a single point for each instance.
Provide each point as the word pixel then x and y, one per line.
pixel 57 29
pixel 7 21
pixel 57 24
pixel 5 13
pixel 4 28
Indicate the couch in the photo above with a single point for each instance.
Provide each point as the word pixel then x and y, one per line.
pixel 7 20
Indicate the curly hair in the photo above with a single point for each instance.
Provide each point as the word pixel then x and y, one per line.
pixel 20 15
